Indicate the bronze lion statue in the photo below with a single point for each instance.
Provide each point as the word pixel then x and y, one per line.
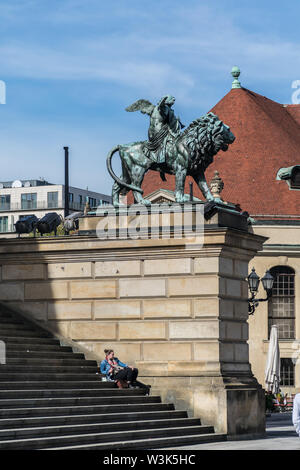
pixel 189 154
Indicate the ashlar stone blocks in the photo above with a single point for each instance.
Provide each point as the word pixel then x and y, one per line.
pixel 175 309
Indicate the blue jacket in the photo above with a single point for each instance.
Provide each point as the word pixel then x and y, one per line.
pixel 105 366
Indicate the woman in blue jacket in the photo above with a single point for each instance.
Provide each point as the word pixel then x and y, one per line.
pixel 116 370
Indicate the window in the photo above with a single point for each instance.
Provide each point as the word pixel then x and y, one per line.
pixel 28 201
pixel 295 178
pixel 71 197
pixel 287 372
pixel 282 303
pixel 4 224
pixel 52 199
pixel 80 199
pixel 103 203
pixel 5 202
pixel 291 175
pixel 92 202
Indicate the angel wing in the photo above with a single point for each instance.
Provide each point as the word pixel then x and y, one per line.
pixel 141 105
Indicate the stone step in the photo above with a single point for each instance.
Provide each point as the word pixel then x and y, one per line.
pixel 70 393
pixel 14 318
pixel 124 400
pixel 42 355
pixel 50 361
pixel 150 443
pixel 5 311
pixel 93 418
pixel 31 376
pixel 44 384
pixel 101 438
pixel 25 433
pixel 17 348
pixel 88 409
pixel 14 332
pixel 10 319
pixel 16 326
pixel 5 314
pixel 51 369
pixel 52 398
pixel 21 340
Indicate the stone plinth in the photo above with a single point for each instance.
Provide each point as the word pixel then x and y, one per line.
pixel 176 307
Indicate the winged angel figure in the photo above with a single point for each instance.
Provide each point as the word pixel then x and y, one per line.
pixel 168 150
pixel 164 126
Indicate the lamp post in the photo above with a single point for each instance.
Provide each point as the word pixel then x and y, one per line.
pixel 253 283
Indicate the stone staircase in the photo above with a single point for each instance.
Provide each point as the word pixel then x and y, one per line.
pixel 52 398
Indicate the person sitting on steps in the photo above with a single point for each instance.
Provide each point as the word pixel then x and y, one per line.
pixel 124 375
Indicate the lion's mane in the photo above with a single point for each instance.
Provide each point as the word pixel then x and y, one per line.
pixel 200 138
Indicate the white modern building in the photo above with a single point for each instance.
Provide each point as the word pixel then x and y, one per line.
pixel 19 198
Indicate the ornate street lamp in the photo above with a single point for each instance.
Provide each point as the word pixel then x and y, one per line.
pixel 268 281
pixel 253 283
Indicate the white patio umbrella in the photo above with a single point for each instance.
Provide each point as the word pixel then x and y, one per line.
pixel 272 371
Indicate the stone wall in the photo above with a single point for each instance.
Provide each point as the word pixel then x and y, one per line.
pixel 174 301
pixel 175 308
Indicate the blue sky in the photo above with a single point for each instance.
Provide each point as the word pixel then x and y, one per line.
pixel 72 66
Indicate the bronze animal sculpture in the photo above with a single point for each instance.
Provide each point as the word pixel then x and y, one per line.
pixel 26 224
pixel 188 153
pixel 49 223
pixel 71 222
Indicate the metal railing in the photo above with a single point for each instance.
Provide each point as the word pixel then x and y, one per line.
pixel 28 206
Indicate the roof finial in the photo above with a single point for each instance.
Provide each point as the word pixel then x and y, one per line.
pixel 216 185
pixel 235 72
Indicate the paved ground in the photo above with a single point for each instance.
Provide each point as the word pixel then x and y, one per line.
pixel 280 435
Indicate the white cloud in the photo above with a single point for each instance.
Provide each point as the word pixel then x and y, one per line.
pixel 183 54
pixel 44 63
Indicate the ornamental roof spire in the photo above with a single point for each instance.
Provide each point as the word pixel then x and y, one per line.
pixel 235 72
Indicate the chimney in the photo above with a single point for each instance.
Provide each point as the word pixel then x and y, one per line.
pixel 66 149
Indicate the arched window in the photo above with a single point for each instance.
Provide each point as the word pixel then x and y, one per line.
pixel 282 303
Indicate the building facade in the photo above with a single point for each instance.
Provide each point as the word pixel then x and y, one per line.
pixel 38 197
pixel 281 256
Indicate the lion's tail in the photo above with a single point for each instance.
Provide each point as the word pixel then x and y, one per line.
pixel 114 176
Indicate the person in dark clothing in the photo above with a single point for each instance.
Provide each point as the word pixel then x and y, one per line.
pixel 117 371
pixel 128 375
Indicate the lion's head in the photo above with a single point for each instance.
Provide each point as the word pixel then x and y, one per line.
pixel 204 138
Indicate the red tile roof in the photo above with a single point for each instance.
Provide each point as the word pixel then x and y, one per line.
pixel 267 138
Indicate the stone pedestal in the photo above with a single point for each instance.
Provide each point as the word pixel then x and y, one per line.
pixel 203 366
pixel 177 307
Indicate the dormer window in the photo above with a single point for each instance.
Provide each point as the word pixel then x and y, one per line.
pixel 295 178
pixel 291 175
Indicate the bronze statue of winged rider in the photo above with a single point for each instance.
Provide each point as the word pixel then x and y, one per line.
pixel 168 150
pixel 164 126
